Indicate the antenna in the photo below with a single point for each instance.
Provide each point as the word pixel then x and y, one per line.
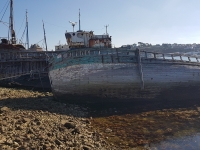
pixel 79 20
pixel 73 24
pixel 44 36
pixel 106 28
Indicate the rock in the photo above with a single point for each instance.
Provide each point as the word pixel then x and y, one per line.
pixel 70 125
pixel 2 140
pixel 30 131
pixel 38 123
pixel 24 120
pixel 18 140
pixel 9 141
pixel 2 129
pixel 87 121
pixel 168 131
pixel 46 146
pixel 198 109
pixel 4 109
pixel 108 130
pixel 19 127
pixel 77 130
pixel 15 144
pixel 58 142
pixel 85 147
pixel 98 144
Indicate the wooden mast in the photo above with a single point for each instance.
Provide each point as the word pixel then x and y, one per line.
pixel 44 36
pixel 12 32
pixel 27 37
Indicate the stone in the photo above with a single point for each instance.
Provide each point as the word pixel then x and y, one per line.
pixel 19 127
pixel 24 120
pixel 58 142
pixel 15 144
pixel 9 141
pixel 2 140
pixel 85 147
pixel 38 123
pixel 30 131
pixel 77 130
pixel 4 109
pixel 87 121
pixel 70 125
pixel 198 109
pixel 108 130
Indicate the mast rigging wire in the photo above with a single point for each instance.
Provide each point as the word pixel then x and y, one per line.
pixel 21 25
pixel 4 12
pixel 4 6
pixel 23 35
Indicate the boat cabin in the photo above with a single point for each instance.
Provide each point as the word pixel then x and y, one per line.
pixel 81 39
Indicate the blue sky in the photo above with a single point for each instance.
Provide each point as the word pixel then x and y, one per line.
pixel 130 21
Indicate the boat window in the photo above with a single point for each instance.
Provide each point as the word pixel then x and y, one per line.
pixel 73 34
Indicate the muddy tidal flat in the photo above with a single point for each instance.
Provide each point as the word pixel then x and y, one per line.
pixel 34 120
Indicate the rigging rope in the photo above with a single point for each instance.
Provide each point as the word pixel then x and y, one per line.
pixel 21 25
pixel 23 35
pixel 4 12
pixel 4 6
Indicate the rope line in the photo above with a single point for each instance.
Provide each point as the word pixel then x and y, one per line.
pixel 4 6
pixel 4 12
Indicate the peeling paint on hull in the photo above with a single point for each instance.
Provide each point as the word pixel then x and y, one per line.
pixel 118 78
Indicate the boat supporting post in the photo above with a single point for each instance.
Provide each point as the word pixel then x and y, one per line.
pixel 140 67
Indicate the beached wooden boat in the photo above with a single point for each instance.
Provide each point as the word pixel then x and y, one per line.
pixel 123 75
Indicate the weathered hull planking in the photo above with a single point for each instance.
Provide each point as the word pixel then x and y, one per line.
pixel 114 75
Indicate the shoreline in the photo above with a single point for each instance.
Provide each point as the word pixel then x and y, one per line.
pixel 33 119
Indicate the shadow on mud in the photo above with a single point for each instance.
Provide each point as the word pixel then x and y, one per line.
pixel 122 108
pixel 48 103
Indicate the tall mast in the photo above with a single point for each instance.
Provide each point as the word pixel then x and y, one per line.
pixel 44 36
pixel 12 32
pixel 79 21
pixel 27 38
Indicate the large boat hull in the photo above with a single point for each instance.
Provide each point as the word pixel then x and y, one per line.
pixel 115 77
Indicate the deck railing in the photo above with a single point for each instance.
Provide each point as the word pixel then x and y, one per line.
pixel 19 56
pixel 124 52
pixel 170 56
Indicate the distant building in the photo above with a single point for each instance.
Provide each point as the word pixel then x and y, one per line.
pixel 35 47
pixel 61 47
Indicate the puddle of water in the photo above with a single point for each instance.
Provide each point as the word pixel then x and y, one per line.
pixel 182 143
